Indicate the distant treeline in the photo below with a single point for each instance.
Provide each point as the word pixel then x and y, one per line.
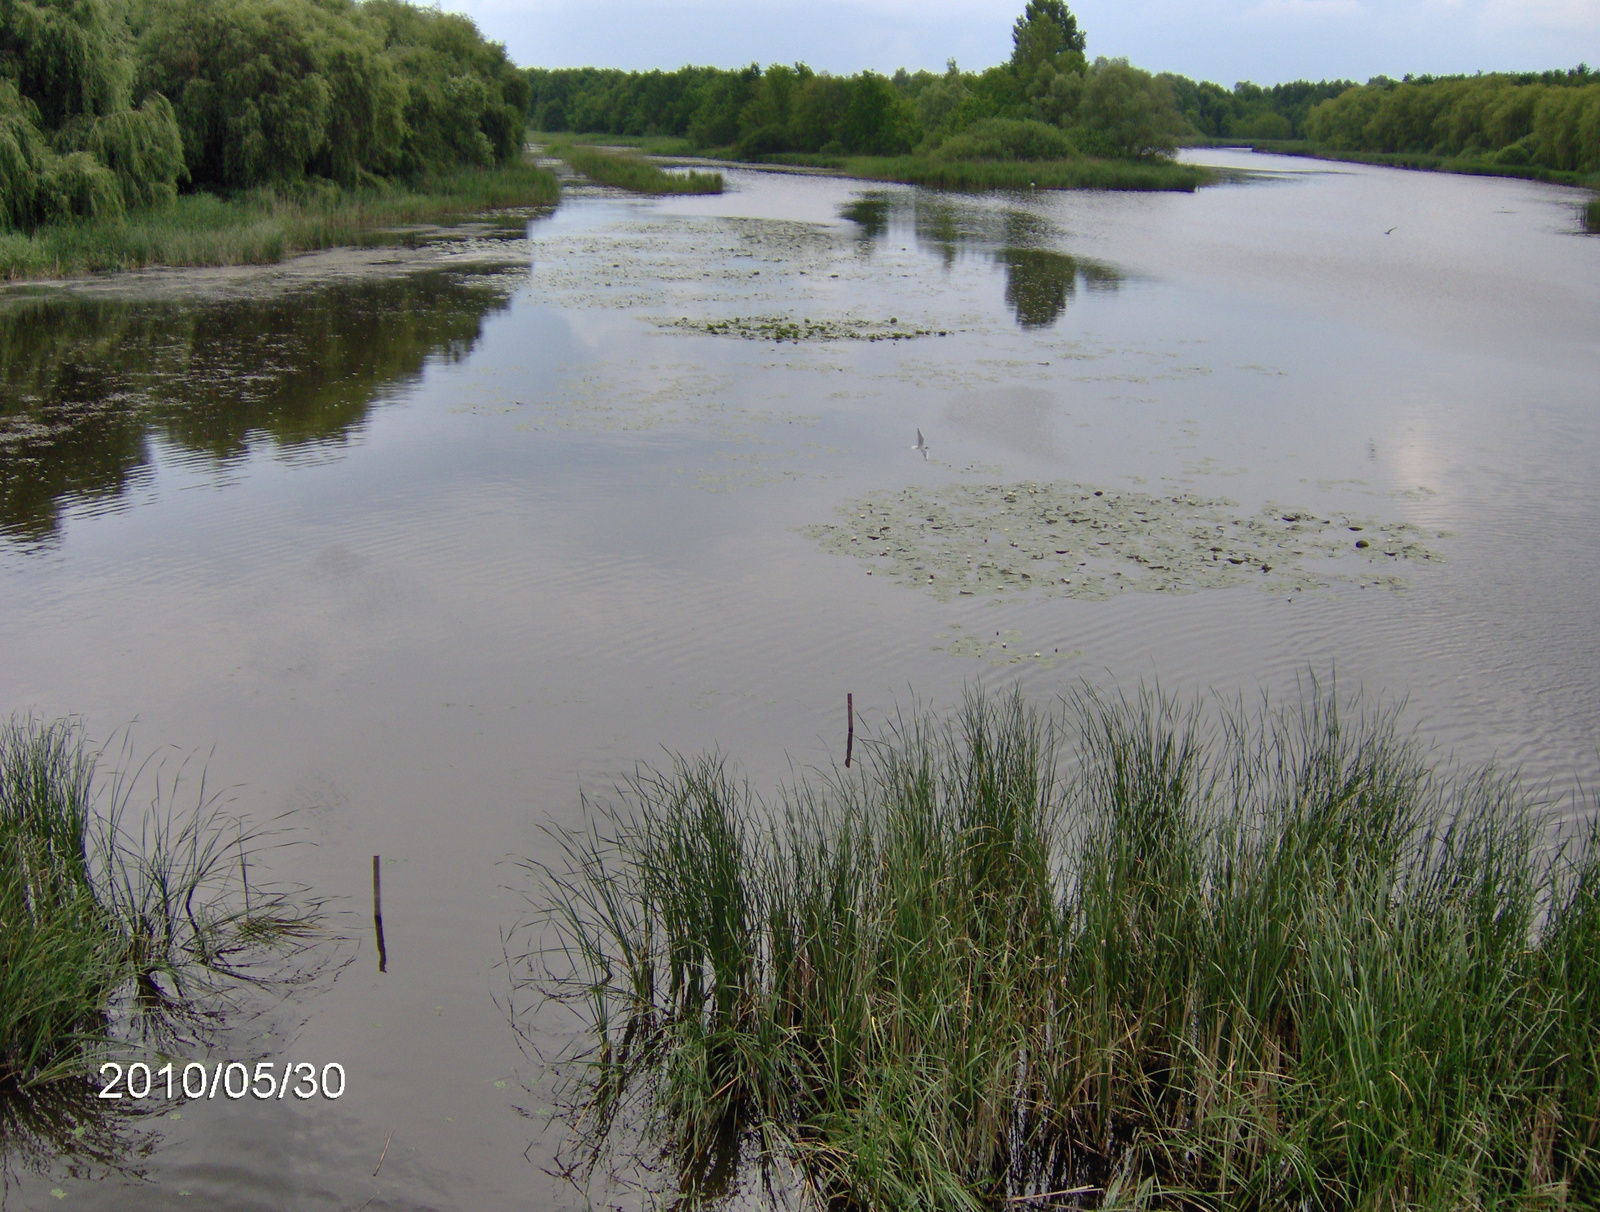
pixel 1549 121
pixel 105 107
pixel 1106 108
pixel 1545 120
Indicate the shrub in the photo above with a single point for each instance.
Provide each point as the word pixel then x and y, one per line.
pixel 1008 139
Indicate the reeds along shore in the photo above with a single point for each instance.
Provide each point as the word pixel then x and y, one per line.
pixel 116 921
pixel 262 227
pixel 625 170
pixel 1272 960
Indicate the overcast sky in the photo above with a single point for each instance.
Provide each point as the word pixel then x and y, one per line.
pixel 1224 40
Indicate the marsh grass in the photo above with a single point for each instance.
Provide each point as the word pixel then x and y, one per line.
pixel 263 227
pixel 1591 215
pixel 1014 174
pixel 119 918
pixel 1269 959
pixel 624 170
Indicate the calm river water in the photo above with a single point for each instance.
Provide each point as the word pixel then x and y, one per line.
pixel 420 558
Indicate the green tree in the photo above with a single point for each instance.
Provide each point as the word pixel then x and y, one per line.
pixel 1127 112
pixel 274 90
pixel 877 121
pixel 71 143
pixel 1046 34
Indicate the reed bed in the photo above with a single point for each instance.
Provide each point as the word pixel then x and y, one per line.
pixel 625 170
pixel 265 226
pixel 1591 215
pixel 116 919
pixel 1132 954
pixel 1139 175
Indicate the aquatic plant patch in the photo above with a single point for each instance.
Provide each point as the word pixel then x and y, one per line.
pixel 787 328
pixel 1133 954
pixel 1071 540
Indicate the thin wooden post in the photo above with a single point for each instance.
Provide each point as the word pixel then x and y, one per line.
pixel 377 917
pixel 850 728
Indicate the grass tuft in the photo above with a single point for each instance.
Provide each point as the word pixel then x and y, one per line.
pixel 624 170
pixel 1270 960
pixel 114 919
pixel 1591 215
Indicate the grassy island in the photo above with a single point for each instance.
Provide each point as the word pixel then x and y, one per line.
pixel 624 170
pixel 1270 960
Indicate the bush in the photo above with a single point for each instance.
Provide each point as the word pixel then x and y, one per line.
pixel 1008 139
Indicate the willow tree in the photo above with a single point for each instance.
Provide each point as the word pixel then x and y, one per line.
pixel 71 141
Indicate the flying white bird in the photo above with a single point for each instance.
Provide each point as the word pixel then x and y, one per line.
pixel 922 444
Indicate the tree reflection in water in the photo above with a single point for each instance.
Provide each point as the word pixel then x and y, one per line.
pixel 1040 283
pixel 86 383
pixel 1040 280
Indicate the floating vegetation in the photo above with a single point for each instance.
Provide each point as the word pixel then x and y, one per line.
pixel 1068 540
pixel 785 328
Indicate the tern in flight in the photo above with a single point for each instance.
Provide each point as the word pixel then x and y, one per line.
pixel 922 444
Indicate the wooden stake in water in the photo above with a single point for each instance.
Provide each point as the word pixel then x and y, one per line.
pixel 377 916
pixel 850 728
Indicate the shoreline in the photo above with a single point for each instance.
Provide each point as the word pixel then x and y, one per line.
pixel 262 230
pixel 473 244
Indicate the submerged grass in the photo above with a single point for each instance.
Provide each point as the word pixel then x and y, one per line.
pixel 264 227
pixel 1276 961
pixel 110 923
pixel 624 170
pixel 1015 174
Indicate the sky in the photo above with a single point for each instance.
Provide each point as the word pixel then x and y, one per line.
pixel 1266 41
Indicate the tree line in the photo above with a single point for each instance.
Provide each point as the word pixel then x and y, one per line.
pixel 1550 120
pixel 1547 120
pixel 106 107
pixel 1106 107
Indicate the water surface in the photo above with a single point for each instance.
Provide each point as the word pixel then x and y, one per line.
pixel 423 558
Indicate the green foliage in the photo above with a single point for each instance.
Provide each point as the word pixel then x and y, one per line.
pixel 235 94
pixel 635 173
pixel 1125 112
pixel 1108 109
pixel 1007 139
pixel 99 920
pixel 876 120
pixel 70 143
pixel 265 226
pixel 1080 173
pixel 1249 111
pixel 1591 216
pixel 1250 962
pixel 69 57
pixel 1492 120
pixel 466 103
pixel 273 90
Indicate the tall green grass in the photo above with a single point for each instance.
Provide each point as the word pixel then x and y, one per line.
pixel 625 170
pixel 263 227
pixel 1014 174
pixel 115 917
pixel 1591 215
pixel 1272 960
